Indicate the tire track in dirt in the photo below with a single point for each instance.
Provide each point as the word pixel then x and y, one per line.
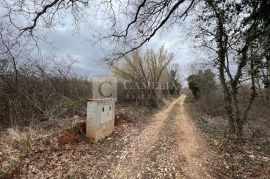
pixel 164 159
pixel 192 145
pixel 133 154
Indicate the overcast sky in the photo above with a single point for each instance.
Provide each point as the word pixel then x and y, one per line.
pixel 89 56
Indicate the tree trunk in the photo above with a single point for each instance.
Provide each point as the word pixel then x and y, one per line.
pixel 231 125
pixel 237 115
pixel 239 129
pixel 227 101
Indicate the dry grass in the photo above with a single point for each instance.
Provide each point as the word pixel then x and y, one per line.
pixel 14 145
pixel 17 144
pixel 53 144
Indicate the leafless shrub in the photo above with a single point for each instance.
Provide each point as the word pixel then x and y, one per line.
pixel 41 90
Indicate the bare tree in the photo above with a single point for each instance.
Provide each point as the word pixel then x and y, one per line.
pixel 144 19
pixel 224 30
pixel 145 73
pixel 133 23
pixel 28 16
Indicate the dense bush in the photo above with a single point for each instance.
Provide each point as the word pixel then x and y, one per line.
pixel 202 83
pixel 41 91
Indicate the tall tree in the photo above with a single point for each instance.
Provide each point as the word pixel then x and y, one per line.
pixel 132 23
pixel 202 83
pixel 224 29
pixel 146 73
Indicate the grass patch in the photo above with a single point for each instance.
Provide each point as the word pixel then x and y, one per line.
pixel 205 126
pixel 2 173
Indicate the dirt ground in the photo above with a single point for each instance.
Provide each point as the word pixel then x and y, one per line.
pixel 169 145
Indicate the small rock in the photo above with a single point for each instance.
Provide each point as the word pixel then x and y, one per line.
pixel 265 159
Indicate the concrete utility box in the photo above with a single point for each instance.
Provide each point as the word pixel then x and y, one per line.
pixel 100 118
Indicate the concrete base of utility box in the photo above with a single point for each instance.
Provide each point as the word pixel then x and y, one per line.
pixel 100 119
pixel 101 132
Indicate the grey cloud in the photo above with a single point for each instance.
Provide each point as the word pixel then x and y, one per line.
pixel 65 41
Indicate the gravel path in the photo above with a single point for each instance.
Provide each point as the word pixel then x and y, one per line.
pixel 170 147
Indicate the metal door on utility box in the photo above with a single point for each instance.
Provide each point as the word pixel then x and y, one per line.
pixel 106 113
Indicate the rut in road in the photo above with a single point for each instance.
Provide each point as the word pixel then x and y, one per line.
pixel 169 147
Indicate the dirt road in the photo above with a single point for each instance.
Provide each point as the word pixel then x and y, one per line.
pixel 169 147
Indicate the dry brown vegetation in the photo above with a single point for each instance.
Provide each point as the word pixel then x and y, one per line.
pixel 40 91
pixel 58 148
pixel 251 157
pixel 258 121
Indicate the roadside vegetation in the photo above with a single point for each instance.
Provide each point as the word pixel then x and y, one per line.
pixel 39 89
pixel 243 157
